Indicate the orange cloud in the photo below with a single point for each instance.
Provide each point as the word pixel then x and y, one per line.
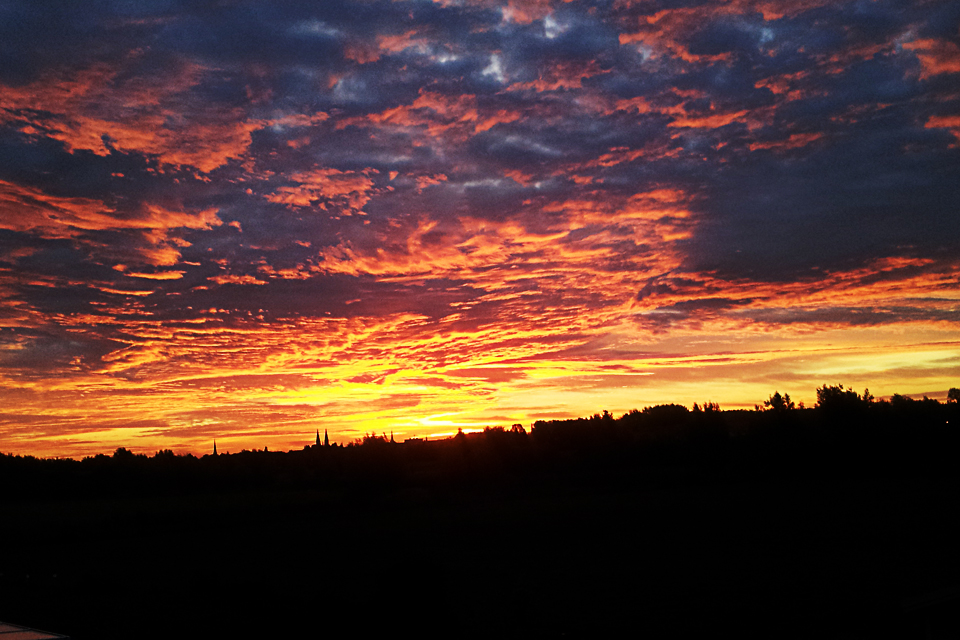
pixel 235 279
pixel 351 188
pixel 790 86
pixel 398 43
pixel 30 209
pixel 619 155
pixel 27 208
pixel 438 116
pixel 592 253
pixel 300 272
pixel 794 141
pixel 501 116
pixel 364 51
pixel 250 383
pixel 526 11
pixel 161 275
pixel 237 383
pixel 891 281
pixel 945 122
pixel 560 75
pixel 936 56
pixel 708 122
pixel 97 109
pixel 426 181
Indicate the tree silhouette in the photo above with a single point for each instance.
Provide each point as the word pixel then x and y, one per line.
pixel 778 403
pixel 836 398
pixel 666 414
pixel 845 410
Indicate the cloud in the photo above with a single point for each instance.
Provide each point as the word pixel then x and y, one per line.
pixel 323 185
pixel 159 115
pixel 936 56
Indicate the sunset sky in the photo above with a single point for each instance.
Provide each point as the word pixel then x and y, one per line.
pixel 251 220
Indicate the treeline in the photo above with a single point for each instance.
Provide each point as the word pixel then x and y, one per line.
pixel 844 433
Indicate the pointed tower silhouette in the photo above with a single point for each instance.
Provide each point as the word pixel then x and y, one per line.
pixel 326 438
pixel 214 447
pixel 318 437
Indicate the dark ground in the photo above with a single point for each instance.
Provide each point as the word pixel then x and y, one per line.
pixel 656 558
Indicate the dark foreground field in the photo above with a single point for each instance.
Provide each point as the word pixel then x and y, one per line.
pixel 660 524
pixel 837 560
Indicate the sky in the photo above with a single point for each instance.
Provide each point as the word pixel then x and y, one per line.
pixel 247 221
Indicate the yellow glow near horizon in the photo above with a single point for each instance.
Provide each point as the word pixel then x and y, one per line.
pixel 434 403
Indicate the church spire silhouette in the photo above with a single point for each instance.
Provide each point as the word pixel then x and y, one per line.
pixel 214 446
pixel 318 437
pixel 326 437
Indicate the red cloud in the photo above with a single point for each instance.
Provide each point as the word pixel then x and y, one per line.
pixel 97 109
pixel 30 209
pixel 936 56
pixel 351 188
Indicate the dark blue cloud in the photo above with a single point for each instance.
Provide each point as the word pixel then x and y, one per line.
pixel 861 198
pixel 728 37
